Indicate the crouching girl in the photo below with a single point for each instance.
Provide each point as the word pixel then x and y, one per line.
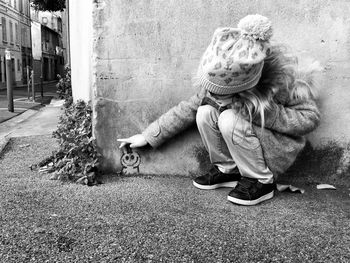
pixel 251 110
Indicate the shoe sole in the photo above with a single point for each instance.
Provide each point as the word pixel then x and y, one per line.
pixel 215 186
pixel 250 202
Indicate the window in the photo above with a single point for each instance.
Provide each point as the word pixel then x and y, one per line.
pixel 47 36
pixel 22 35
pixel 28 8
pixel 4 32
pixel 16 34
pixel 11 32
pixel 1 71
pixel 4 61
pixel 18 65
pixel 59 24
pixel 21 6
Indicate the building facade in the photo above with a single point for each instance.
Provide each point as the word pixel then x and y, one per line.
pixel 47 44
pixel 15 36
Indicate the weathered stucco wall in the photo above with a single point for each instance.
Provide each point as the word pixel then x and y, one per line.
pixel 147 53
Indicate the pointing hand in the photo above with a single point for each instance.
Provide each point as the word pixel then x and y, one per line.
pixel 135 141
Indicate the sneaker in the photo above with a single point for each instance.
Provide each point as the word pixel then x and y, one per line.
pixel 216 179
pixel 251 192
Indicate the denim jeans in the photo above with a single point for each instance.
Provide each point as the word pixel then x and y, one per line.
pixel 230 142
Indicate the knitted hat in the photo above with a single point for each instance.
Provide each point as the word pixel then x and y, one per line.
pixel 235 57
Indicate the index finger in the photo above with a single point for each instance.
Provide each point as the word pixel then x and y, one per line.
pixel 122 145
pixel 123 140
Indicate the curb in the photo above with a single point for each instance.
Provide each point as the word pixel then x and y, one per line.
pixel 3 143
pixel 5 137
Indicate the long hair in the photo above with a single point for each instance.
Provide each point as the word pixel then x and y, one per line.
pixel 279 82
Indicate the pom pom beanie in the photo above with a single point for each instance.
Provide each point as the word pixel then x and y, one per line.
pixel 234 59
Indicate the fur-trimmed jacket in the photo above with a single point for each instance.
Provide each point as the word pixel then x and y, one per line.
pixel 286 124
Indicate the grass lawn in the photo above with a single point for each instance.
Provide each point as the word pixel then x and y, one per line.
pixel 158 219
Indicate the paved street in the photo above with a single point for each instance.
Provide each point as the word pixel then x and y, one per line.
pixel 21 102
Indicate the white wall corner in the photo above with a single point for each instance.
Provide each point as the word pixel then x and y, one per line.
pixel 81 39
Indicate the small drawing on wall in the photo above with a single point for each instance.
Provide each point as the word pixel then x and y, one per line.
pixel 130 161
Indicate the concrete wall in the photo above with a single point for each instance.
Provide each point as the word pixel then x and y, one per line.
pixel 146 53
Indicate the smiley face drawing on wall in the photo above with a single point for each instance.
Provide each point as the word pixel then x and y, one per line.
pixel 130 161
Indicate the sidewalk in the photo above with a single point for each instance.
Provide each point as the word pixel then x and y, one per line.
pixel 158 219
pixel 34 121
pixel 21 101
pixel 21 105
pixel 37 85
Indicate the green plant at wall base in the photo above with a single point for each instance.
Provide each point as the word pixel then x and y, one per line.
pixel 64 87
pixel 77 158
